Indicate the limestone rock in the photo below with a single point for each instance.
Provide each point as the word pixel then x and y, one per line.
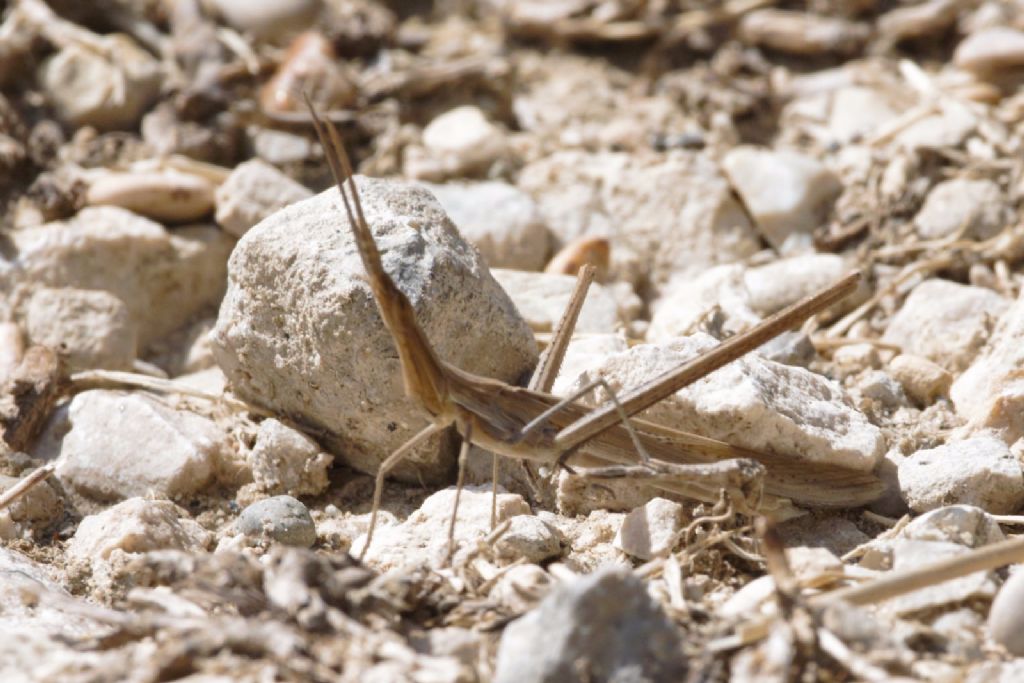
pixel 945 322
pixel 859 111
pixel 137 525
pixel 253 191
pixel 605 624
pixel 787 193
pixel 979 471
pixel 285 460
pixel 299 331
pixel 751 402
pixel 967 525
pixel 917 21
pixel 163 278
pixel 89 328
pixel 541 299
pixel 281 518
pixel 673 213
pixel 948 128
pixel 990 393
pixel 132 444
pixel 422 539
pixel 977 206
pixel 651 530
pixel 166 196
pixel 500 220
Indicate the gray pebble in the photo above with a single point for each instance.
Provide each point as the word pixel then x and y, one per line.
pixel 281 518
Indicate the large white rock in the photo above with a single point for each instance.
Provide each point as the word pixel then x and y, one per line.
pixel 946 322
pixel 787 193
pixel 163 278
pixel 751 402
pixel 780 283
pixel 123 445
pixel 976 206
pixel 299 331
pixel 89 328
pixel 541 299
pixel 137 525
pixel 422 539
pixel 253 191
pixel 979 471
pixel 500 220
pixel 664 214
pixel 990 393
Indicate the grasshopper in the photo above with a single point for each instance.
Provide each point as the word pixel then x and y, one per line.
pixel 533 425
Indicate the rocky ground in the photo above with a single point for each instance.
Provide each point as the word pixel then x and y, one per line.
pixel 191 354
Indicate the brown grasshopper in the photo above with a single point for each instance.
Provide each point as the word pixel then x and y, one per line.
pixel 533 425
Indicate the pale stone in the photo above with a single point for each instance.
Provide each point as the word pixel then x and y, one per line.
pixel 541 299
pixel 918 21
pixel 528 539
pixel 422 539
pixel 500 220
pixel 284 460
pixel 281 518
pixel 913 554
pixel 268 19
pixel 967 525
pixel 783 282
pixel 787 193
pixel 459 141
pixel 719 292
pixel 665 216
pixel 163 278
pixel 975 206
pixel 584 353
pixel 990 393
pixel 606 619
pixel 948 128
pixel 1005 618
pixel 650 531
pixel 123 445
pixel 751 402
pixel 923 380
pixel 253 191
pixel 878 386
pixel 979 471
pixel 859 111
pixel 88 328
pixel 137 525
pixel 946 322
pixel 107 88
pixel 299 330
pixel 991 50
pixel 801 33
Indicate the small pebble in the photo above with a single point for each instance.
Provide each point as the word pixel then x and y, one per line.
pixel 651 530
pixel 991 51
pixel 923 380
pixel 1006 618
pixel 281 518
